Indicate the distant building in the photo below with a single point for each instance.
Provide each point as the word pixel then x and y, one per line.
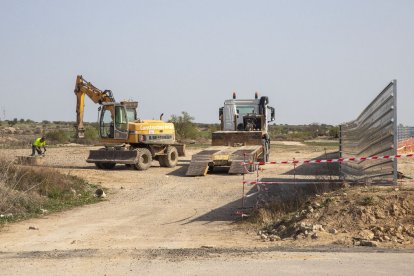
pixel 404 132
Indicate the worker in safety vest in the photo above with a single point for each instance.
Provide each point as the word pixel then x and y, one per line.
pixel 38 144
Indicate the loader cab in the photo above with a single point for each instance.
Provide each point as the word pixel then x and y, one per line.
pixel 113 121
pixel 246 115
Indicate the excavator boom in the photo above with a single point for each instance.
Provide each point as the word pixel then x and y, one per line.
pixel 98 96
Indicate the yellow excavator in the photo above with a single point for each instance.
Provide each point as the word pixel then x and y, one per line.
pixel 126 139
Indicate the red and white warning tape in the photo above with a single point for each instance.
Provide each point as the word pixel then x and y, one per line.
pixel 338 160
pixel 277 183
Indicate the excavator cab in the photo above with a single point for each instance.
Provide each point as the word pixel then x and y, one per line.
pixel 113 123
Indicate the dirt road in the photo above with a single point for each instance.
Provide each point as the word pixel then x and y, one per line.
pixel 151 219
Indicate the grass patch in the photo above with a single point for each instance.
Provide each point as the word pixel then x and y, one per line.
pixel 30 192
pixel 369 201
pixel 327 144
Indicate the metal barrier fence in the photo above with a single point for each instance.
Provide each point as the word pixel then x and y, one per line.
pixel 374 132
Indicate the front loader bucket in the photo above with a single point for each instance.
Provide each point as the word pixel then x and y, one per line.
pixel 236 138
pixel 112 156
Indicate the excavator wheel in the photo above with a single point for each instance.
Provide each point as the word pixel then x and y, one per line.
pixel 144 158
pixel 170 159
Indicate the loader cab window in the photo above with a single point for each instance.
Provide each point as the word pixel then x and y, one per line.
pixel 244 110
pixel 272 114
pixel 241 111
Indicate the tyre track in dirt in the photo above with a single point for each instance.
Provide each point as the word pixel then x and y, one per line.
pixel 160 222
pixel 147 209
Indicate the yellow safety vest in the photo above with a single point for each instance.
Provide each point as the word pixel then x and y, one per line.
pixel 38 143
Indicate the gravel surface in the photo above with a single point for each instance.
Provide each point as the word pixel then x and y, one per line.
pixel 158 214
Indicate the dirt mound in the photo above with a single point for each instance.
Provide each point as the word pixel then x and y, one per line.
pixel 367 216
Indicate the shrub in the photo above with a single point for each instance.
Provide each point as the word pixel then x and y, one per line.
pixel 184 126
pixel 91 133
pixel 369 201
pixel 58 136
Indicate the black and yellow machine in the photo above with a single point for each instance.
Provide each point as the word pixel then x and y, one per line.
pixel 126 139
pixel 243 137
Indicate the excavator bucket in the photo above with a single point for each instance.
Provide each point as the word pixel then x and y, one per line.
pixel 237 138
pixel 112 156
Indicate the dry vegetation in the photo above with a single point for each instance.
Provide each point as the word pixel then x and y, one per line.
pixel 27 192
pixel 21 133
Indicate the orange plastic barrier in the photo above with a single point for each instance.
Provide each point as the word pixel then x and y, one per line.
pixel 406 146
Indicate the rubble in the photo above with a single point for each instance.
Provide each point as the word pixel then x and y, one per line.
pixel 359 216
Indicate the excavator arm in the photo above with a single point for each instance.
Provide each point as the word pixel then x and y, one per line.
pixel 98 96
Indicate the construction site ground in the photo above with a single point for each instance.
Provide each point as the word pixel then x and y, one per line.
pixel 159 221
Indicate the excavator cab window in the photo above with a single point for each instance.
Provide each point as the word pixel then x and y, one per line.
pixel 131 114
pixel 114 122
pixel 106 124
pixel 121 121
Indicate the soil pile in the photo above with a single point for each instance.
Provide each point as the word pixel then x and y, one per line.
pixel 366 216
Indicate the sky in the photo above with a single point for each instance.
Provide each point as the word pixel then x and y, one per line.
pixel 317 61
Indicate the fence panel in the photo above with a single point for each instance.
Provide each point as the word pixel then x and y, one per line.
pixel 374 132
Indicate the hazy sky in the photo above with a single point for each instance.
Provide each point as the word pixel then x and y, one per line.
pixel 318 61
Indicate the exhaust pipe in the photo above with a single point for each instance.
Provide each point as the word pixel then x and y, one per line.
pixel 162 114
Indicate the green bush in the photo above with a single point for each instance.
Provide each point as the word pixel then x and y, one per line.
pixel 57 136
pixel 91 133
pixel 302 132
pixel 184 126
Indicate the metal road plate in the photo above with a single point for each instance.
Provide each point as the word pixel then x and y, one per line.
pixel 221 157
